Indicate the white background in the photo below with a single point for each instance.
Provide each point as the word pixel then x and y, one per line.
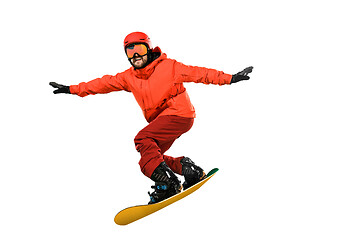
pixel 286 141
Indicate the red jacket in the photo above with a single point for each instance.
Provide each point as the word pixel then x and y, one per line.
pixel 158 88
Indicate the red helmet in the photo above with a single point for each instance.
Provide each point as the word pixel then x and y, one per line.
pixel 137 37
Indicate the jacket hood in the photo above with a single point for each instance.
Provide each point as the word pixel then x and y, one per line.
pixel 145 73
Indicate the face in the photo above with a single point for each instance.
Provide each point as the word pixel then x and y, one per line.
pixel 139 61
pixel 137 53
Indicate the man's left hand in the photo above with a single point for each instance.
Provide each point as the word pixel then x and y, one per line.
pixel 240 76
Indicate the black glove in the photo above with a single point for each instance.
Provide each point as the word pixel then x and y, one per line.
pixel 60 88
pixel 243 75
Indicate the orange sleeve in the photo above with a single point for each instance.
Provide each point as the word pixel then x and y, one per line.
pixel 184 73
pixel 105 84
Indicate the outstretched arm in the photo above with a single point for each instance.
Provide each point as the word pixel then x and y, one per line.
pixel 105 84
pixel 186 73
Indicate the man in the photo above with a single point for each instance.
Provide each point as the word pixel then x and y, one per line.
pixel 157 85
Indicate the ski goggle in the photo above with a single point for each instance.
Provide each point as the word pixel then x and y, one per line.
pixel 138 48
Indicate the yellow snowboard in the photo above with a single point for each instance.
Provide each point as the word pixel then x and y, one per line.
pixel 131 214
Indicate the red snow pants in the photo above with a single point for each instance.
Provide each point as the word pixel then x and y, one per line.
pixel 156 138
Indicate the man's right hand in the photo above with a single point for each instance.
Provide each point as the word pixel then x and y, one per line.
pixel 60 88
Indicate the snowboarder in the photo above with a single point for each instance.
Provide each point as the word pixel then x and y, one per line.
pixel 157 85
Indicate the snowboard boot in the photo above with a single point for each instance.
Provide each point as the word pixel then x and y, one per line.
pixel 166 184
pixel 192 173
